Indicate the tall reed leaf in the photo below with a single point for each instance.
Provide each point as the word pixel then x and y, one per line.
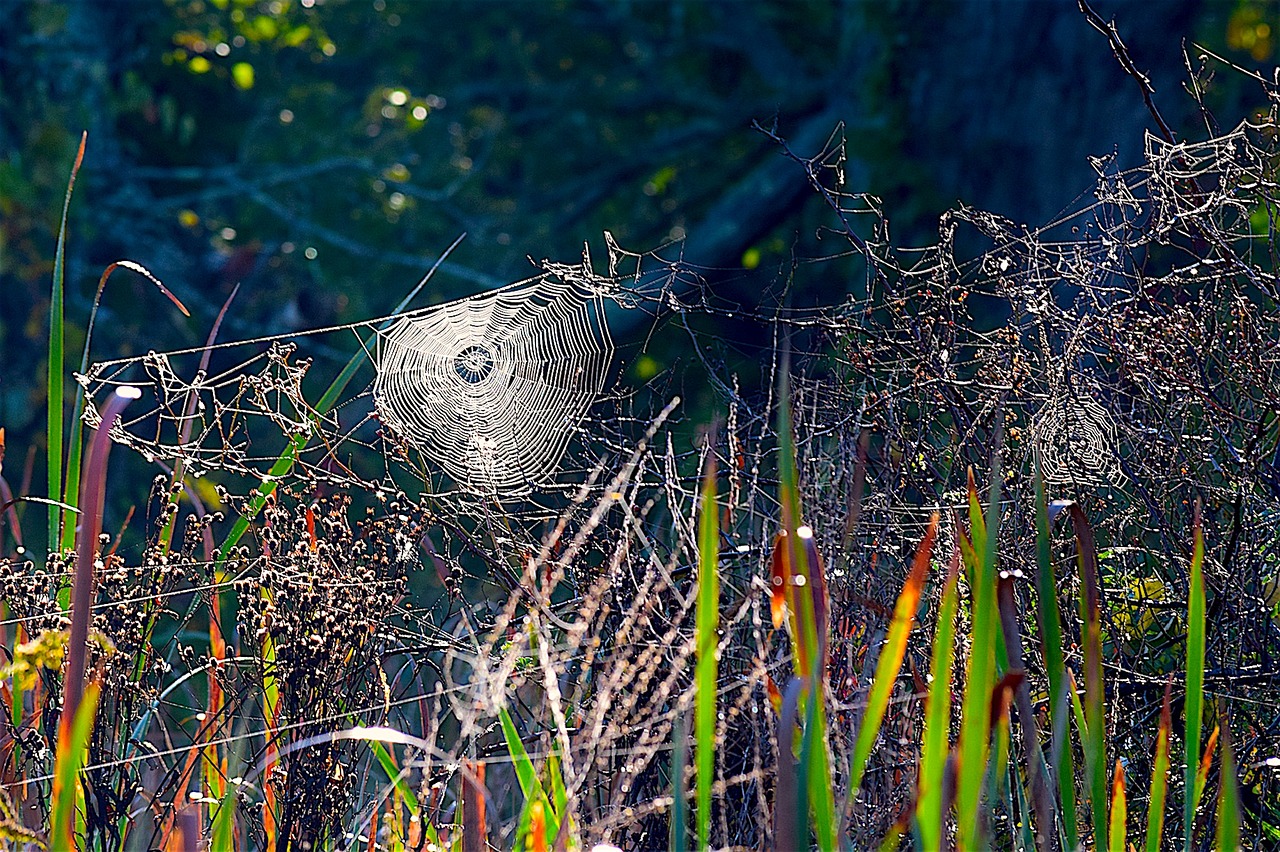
pixel 57 356
pixel 73 745
pixel 1050 620
pixel 1095 743
pixel 530 786
pixel 975 712
pixel 1194 706
pixel 708 620
pixel 806 596
pixel 891 656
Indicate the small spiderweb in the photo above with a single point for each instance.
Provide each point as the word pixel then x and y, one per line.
pixel 490 388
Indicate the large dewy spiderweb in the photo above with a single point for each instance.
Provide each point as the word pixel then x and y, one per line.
pixel 490 388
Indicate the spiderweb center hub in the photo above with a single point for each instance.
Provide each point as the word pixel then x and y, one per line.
pixel 474 364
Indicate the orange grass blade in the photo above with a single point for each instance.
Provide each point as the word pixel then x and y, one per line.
pixel 891 657
pixel 1202 771
pixel 474 827
pixel 73 746
pixel 1119 812
pixel 537 827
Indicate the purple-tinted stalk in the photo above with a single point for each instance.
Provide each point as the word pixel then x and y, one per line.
pixel 93 486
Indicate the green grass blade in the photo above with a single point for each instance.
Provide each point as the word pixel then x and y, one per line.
pixel 527 775
pixel 807 607
pixel 559 793
pixel 821 791
pixel 930 818
pixel 1050 619
pixel 708 624
pixel 73 744
pixel 1194 707
pixel 57 358
pixel 223 831
pixel 75 454
pixel 975 714
pixel 891 657
pixel 1119 812
pixel 397 778
pixel 1227 835
pixel 1160 774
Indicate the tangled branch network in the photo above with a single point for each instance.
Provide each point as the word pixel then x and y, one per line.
pixel 490 388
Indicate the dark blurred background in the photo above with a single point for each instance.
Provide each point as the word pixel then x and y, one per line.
pixel 322 154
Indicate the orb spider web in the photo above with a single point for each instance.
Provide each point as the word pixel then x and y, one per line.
pixel 490 388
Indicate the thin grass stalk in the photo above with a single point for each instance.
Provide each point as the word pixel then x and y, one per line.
pixel 931 817
pixel 71 495
pixel 184 433
pixel 1041 796
pixel 1160 773
pixel 679 829
pixel 1193 711
pixel 708 623
pixel 891 656
pixel 1206 762
pixel 1050 622
pixel 1119 812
